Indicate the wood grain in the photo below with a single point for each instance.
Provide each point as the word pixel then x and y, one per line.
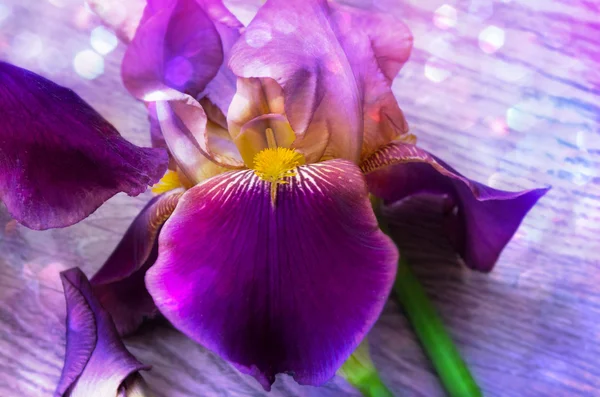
pixel 530 328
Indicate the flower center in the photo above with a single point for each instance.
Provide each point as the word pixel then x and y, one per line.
pixel 274 164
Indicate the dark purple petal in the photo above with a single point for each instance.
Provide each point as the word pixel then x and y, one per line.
pixel 286 288
pixel 96 361
pixel 59 159
pixel 293 42
pixel 377 45
pixel 119 284
pixel 486 218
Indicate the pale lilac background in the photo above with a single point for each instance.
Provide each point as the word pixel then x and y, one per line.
pixel 505 91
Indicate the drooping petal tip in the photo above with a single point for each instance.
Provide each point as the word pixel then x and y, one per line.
pixel 480 220
pixel 96 361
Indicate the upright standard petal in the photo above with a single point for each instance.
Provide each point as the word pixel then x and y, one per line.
pixel 96 361
pixel 483 219
pixel 377 45
pixel 221 88
pixel 285 287
pixel 176 49
pixel 391 40
pixel 59 159
pixel 293 42
pixel 175 55
pixel 119 284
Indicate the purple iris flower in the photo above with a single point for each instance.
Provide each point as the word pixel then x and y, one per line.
pixel 263 245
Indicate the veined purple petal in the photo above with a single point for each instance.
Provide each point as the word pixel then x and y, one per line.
pixel 286 288
pixel 96 361
pixel 377 45
pixel 293 42
pixel 59 159
pixel 486 218
pixel 119 284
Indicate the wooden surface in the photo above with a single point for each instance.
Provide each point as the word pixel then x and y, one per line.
pixel 530 328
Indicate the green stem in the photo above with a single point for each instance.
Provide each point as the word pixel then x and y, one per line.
pixel 361 373
pixel 374 387
pixel 452 370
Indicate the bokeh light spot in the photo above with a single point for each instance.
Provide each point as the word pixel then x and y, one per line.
pixel 519 120
pixel 435 72
pixel 491 39
pixel 88 64
pixel 498 127
pixel 103 40
pixel 445 17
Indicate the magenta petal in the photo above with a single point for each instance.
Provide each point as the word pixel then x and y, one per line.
pixel 59 159
pixel 294 43
pixel 119 284
pixel 291 288
pixel 486 218
pixel 96 361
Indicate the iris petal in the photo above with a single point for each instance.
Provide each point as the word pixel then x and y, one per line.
pixel 177 48
pixel 96 361
pixel 175 55
pixel 290 288
pixel 377 45
pixel 293 42
pixel 119 284
pixel 59 159
pixel 486 218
